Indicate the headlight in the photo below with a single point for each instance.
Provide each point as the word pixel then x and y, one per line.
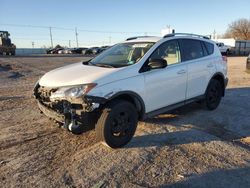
pixel 72 91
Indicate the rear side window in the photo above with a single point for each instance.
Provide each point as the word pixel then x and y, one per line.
pixel 209 47
pixel 191 49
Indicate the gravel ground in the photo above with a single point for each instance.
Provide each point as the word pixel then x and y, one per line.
pixel 190 147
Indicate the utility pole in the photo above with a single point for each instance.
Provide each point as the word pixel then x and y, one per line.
pixel 69 44
pixel 51 40
pixel 76 37
pixel 109 39
pixel 215 35
pixel 33 44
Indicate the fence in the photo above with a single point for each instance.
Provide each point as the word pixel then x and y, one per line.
pixel 29 51
pixel 242 47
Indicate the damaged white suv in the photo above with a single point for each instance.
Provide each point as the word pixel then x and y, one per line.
pixel 131 81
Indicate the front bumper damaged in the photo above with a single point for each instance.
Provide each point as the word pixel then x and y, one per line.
pixel 70 111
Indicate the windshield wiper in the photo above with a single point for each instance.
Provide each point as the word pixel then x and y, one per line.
pixel 103 65
pixel 86 62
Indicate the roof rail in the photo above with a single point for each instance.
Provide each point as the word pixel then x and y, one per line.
pixel 132 38
pixel 185 34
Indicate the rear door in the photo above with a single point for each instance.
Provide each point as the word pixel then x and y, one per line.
pixel 200 65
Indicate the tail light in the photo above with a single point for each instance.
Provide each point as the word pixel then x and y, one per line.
pixel 224 58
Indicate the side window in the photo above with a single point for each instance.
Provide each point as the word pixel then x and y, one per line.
pixel 209 47
pixel 169 51
pixel 192 49
pixel 205 52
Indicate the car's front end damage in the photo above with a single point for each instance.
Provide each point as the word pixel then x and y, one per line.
pixel 70 105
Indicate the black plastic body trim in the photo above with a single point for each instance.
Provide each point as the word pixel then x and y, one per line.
pixel 171 107
pixel 137 99
pixel 94 99
pixel 225 81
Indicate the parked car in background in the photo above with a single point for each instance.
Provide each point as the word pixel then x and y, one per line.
pixel 78 50
pixel 136 79
pixel 48 51
pixel 61 51
pixel 54 50
pixel 224 49
pixel 248 62
pixel 67 50
pixel 103 48
pixel 95 50
pixel 84 51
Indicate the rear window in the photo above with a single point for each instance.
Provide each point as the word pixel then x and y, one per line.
pixel 192 49
pixel 209 47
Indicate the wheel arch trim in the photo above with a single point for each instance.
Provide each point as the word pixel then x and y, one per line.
pixel 137 99
pixel 215 76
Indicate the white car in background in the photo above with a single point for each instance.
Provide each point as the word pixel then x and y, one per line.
pixel 133 80
pixel 224 49
pixel 61 51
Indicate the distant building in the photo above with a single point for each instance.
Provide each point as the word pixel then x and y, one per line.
pixel 228 42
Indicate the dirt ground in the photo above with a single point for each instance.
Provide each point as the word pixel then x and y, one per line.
pixel 191 147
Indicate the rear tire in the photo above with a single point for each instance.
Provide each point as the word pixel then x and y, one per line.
pixel 213 94
pixel 117 123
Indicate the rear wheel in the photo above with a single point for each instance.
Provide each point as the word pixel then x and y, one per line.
pixel 213 94
pixel 117 123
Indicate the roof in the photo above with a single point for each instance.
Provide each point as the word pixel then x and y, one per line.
pixel 156 39
pixel 143 39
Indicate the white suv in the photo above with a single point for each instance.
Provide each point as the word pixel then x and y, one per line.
pixel 131 81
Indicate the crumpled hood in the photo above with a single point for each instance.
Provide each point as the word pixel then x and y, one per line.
pixel 74 74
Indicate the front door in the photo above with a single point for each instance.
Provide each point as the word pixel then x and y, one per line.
pixel 168 85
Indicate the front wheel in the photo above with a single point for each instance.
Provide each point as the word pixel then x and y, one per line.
pixel 117 123
pixel 213 94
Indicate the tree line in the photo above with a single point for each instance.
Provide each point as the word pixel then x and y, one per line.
pixel 238 29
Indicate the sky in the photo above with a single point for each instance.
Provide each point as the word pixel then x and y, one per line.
pixel 101 22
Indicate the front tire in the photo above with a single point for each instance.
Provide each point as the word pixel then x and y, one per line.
pixel 213 94
pixel 117 123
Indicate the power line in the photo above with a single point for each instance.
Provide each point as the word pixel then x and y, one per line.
pixel 19 25
pixel 50 37
pixel 82 30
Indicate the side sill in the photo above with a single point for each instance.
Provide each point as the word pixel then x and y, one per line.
pixel 171 107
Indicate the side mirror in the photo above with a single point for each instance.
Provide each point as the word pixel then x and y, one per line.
pixel 157 63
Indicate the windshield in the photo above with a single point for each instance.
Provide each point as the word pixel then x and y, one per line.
pixel 122 55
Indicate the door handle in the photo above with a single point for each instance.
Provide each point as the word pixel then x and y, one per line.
pixel 210 65
pixel 181 72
